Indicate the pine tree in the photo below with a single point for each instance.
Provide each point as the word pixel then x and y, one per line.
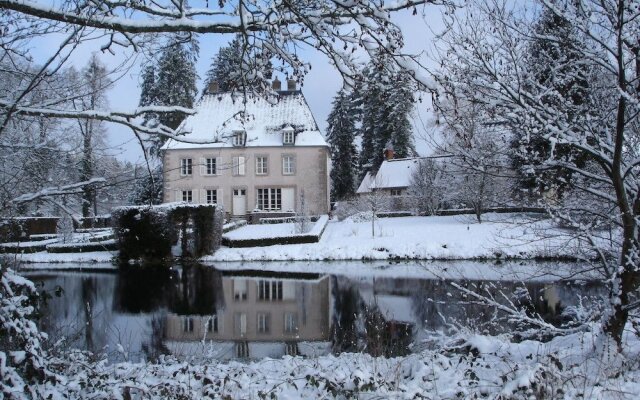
pixel 233 69
pixel 225 66
pixel 148 86
pixel 387 102
pixel 554 61
pixel 175 83
pixel 341 133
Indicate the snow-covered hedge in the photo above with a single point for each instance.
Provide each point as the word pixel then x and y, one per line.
pixel 148 233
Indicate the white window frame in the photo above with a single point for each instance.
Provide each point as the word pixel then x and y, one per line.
pixel 288 136
pixel 186 166
pixel 239 138
pixel 269 199
pixel 212 324
pixel 288 164
pixel 187 195
pixel 187 324
pixel 207 198
pixel 263 322
pixel 239 165
pixel 242 350
pixel 208 168
pixel 396 192
pixel 240 289
pixel 262 165
pixel 270 290
pixel 290 322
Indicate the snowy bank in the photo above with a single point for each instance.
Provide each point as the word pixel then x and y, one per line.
pixel 499 236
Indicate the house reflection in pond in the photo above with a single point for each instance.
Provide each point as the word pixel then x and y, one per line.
pixel 259 317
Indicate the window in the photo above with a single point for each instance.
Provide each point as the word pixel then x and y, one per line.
pixel 238 165
pixel 269 199
pixel 210 166
pixel 187 324
pixel 240 289
pixel 186 166
pixel 270 290
pixel 288 165
pixel 290 322
pixel 212 196
pixel 239 138
pixel 396 192
pixel 240 324
pixel 187 195
pixel 263 323
pixel 291 349
pixel 261 165
pixel 242 350
pixel 288 135
pixel 212 324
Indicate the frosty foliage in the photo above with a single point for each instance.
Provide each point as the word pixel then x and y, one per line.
pixel 573 113
pixel 23 363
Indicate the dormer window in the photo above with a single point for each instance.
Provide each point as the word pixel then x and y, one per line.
pixel 239 138
pixel 288 135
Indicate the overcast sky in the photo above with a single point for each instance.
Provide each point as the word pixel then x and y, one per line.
pixel 320 85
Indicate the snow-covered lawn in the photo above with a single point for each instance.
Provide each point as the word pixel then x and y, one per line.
pixel 449 237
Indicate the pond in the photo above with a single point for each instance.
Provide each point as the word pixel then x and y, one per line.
pixel 259 310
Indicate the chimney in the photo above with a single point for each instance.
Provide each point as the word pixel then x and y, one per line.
pixel 213 87
pixel 291 85
pixel 276 85
pixel 388 152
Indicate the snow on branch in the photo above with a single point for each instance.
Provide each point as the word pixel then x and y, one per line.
pixel 73 188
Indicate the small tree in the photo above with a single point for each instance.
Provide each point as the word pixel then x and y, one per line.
pixel 427 187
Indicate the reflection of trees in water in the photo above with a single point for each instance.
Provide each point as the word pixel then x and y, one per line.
pixel 199 291
pixel 142 289
pixel 154 346
pixel 362 327
pixel 439 305
pixel 346 299
pixel 81 313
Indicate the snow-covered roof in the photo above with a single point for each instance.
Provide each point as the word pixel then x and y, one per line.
pixel 391 174
pixel 218 115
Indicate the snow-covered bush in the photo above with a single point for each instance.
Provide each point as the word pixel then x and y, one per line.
pixel 23 364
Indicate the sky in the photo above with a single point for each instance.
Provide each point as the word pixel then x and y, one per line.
pixel 320 85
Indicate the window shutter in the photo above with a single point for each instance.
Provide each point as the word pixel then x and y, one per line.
pixel 219 195
pixel 203 166
pixel 234 165
pixel 217 165
pixel 178 195
pixel 203 196
pixel 241 165
pixel 293 164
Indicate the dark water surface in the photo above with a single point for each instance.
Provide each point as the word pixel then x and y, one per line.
pixel 249 313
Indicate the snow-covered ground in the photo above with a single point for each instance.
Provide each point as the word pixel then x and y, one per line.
pixel 425 238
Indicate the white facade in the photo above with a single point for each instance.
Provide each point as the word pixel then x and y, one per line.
pixel 264 155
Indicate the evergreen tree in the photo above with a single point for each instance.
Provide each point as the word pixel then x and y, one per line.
pixel 225 66
pixel 148 95
pixel 387 101
pixel 341 133
pixel 554 62
pixel 234 68
pixel 175 84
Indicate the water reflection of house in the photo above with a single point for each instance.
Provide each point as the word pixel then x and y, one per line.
pixel 259 317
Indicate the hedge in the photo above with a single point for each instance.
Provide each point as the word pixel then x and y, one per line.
pixel 148 233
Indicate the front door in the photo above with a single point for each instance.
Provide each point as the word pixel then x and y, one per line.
pixel 239 202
